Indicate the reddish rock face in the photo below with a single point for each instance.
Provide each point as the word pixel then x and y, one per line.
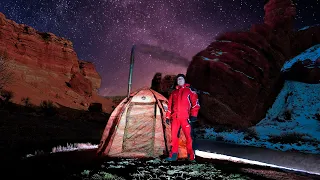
pixel 239 89
pixel 279 14
pixel 27 46
pixel 43 64
pixel 89 71
pixel 241 70
pixel 81 85
pixel 304 71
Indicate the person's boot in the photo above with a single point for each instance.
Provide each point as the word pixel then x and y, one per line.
pixel 174 157
pixel 191 159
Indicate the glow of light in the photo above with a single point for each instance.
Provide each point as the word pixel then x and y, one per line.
pixel 246 161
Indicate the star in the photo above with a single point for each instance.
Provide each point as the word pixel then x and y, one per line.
pixel 103 31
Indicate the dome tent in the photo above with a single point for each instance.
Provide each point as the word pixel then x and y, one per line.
pixel 137 128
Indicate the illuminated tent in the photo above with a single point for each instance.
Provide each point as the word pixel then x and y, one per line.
pixel 137 128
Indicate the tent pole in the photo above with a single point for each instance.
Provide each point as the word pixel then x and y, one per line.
pixel 130 71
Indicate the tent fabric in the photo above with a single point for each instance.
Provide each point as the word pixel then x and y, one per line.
pixel 137 128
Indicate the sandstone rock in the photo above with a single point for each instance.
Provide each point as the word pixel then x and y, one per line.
pixel 89 71
pixel 241 70
pixel 42 63
pixel 81 85
pixel 2 19
pixel 35 49
pixel 279 14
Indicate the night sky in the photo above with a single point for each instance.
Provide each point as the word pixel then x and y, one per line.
pixel 103 31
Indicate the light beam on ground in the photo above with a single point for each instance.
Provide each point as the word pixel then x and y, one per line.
pixel 246 161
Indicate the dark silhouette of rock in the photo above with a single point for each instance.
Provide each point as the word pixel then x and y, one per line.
pixel 304 71
pixel 156 82
pixel 163 85
pixel 95 107
pixel 304 39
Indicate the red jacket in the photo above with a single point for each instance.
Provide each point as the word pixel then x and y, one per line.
pixel 183 103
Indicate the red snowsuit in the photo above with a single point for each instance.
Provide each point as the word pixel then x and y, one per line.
pixel 183 103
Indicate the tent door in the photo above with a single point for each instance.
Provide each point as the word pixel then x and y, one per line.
pixel 140 128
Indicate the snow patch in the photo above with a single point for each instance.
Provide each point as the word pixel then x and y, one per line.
pixel 67 148
pixel 208 59
pixel 301 103
pixel 74 147
pixel 307 27
pixel 312 53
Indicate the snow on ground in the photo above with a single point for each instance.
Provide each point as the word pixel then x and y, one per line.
pixel 307 27
pixel 74 147
pixel 67 148
pixel 312 53
pixel 292 123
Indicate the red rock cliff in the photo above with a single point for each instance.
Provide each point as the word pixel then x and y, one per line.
pixel 46 67
pixel 241 70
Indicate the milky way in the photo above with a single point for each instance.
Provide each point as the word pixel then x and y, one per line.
pixel 103 31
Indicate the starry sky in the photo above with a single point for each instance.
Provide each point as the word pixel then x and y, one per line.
pixel 103 31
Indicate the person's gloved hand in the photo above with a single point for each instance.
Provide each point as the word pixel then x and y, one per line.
pixel 193 119
pixel 168 121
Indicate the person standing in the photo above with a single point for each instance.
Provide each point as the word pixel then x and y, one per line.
pixel 183 108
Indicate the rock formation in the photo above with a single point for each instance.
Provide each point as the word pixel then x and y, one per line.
pixel 46 66
pixel 156 82
pixel 241 70
pixel 163 85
